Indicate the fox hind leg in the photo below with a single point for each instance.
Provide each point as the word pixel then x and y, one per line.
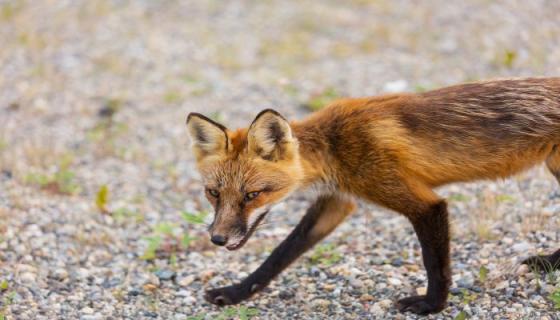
pixel 550 262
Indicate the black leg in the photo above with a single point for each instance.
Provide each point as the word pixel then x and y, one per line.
pixel 432 229
pixel 544 263
pixel 321 218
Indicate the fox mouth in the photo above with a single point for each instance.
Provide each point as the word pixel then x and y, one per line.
pixel 248 234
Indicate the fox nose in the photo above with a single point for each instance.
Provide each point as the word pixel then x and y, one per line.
pixel 218 240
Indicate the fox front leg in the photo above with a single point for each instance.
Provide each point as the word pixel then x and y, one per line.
pixel 432 229
pixel 321 218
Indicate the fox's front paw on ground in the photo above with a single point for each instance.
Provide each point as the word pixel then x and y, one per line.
pixel 419 305
pixel 225 295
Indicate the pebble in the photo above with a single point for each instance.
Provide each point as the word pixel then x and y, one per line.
pixel 165 274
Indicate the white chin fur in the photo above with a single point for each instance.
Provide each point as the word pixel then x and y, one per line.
pixel 255 216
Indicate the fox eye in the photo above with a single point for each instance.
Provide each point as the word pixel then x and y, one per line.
pixel 251 195
pixel 213 192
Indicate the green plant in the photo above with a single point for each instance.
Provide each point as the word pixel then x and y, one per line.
pixel 468 296
pixel 509 58
pixel 555 298
pixel 194 218
pixel 325 254
pixel 3 144
pixel 245 313
pixel 166 238
pixel 153 245
pixel 4 285
pixel 102 198
pixel 200 316
pixel 319 101
pixel 482 273
pixel 459 197
pixel 505 198
pixel 123 213
pixel 62 181
pixel 461 316
pixel 242 312
pixel 172 97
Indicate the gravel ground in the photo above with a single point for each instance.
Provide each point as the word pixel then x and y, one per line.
pixel 94 94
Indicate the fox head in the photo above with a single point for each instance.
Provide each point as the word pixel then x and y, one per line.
pixel 244 172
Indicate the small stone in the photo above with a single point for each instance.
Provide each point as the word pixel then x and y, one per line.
pixel 134 292
pixel 87 310
pixel 182 293
pixel 521 247
pixel 149 287
pixel 397 262
pixel 207 275
pixel 357 283
pixel 502 285
pixel 522 269
pixel 186 281
pixel 394 282
pixel 60 274
pixel 421 291
pixel 329 286
pixel 366 297
pixel 385 304
pixel 285 295
pixel 165 274
pixel 321 303
pixel 455 291
pixel 27 277
pixel 376 310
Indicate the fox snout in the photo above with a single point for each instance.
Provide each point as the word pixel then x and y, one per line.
pixel 227 232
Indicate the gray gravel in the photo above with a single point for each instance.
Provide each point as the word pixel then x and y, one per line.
pixel 95 93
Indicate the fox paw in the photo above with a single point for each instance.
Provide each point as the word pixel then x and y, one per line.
pixel 224 296
pixel 419 305
pixel 542 263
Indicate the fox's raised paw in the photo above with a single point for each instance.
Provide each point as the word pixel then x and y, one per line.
pixel 418 305
pixel 224 296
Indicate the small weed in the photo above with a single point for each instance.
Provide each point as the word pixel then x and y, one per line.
pixel 194 218
pixel 165 236
pixel 482 273
pixel 4 285
pixel 62 181
pixel 197 317
pixel 325 254
pixel 555 298
pixel 459 197
pixel 102 198
pixel 505 198
pixel 3 144
pixel 509 58
pixel 319 101
pixel 172 97
pixel 9 10
pixel 124 213
pixel 468 296
pixel 461 316
pixel 154 243
pixel 241 312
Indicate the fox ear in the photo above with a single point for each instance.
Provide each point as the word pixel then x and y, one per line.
pixel 270 137
pixel 208 136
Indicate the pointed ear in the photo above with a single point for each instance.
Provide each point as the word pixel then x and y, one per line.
pixel 270 137
pixel 208 137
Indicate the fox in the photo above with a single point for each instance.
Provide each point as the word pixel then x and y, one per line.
pixel 391 150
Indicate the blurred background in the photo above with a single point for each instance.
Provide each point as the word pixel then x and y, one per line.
pixel 101 209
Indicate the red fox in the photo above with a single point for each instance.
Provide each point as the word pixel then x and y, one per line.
pixel 391 150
